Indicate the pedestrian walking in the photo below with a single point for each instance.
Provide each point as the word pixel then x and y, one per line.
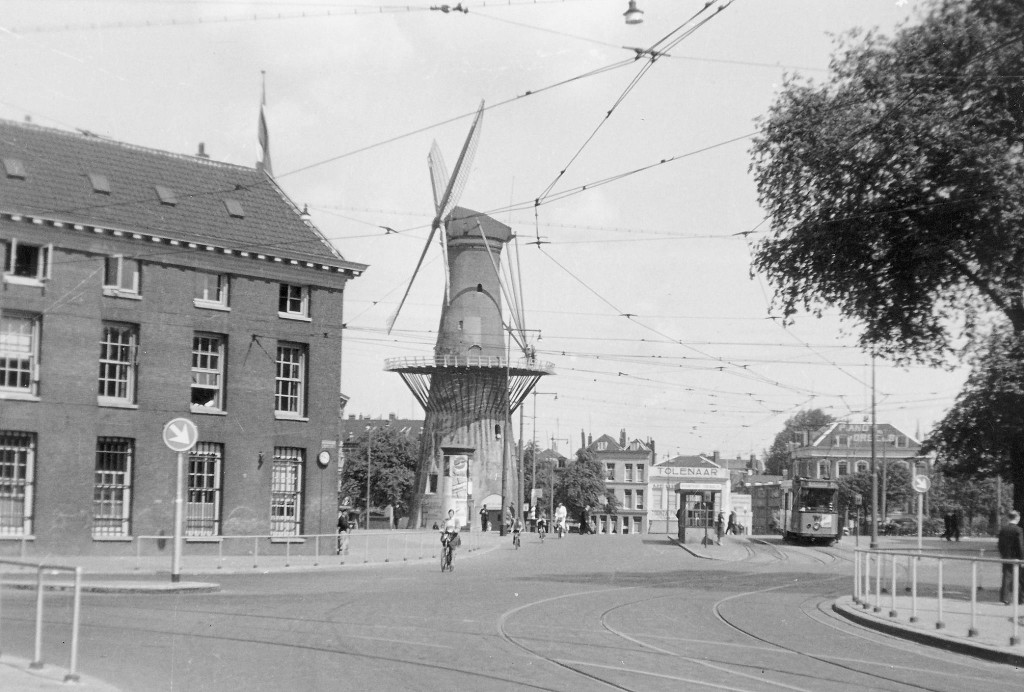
pixel 954 524
pixel 1011 547
pixel 720 526
pixel 484 519
pixel 947 525
pixel 731 528
pixel 344 529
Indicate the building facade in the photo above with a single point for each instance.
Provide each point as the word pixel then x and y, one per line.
pixel 840 449
pixel 626 466
pixel 141 286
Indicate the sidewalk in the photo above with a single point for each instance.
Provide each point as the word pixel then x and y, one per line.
pixel 152 574
pixel 988 637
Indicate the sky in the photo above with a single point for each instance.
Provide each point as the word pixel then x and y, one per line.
pixel 639 292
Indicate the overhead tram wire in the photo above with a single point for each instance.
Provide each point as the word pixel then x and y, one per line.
pixel 654 51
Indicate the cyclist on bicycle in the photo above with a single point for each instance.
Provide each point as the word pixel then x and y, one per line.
pixel 450 533
pixel 560 516
pixel 542 525
pixel 517 528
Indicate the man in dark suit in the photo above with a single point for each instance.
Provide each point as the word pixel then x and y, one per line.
pixel 1011 547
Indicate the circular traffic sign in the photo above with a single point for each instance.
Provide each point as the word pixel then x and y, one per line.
pixel 180 434
pixel 921 484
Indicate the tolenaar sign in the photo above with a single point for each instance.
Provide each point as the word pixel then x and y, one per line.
pixel 689 472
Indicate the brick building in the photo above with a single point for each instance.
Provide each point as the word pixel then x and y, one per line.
pixel 139 286
pixel 626 464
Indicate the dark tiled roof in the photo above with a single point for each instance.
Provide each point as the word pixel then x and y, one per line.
pixel 57 186
pixel 691 461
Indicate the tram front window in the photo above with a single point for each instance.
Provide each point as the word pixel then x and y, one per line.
pixel 818 500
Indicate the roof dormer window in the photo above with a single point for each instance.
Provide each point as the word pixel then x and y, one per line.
pixel 100 183
pixel 234 208
pixel 166 195
pixel 14 168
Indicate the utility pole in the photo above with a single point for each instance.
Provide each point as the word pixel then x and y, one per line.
pixel 874 470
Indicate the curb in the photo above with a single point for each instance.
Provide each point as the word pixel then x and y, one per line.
pixel 120 587
pixel 956 645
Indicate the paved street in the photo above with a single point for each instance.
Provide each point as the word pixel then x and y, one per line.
pixel 584 612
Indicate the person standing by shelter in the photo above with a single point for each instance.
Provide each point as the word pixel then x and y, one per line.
pixel 720 526
pixel 1011 547
pixel 947 525
pixel 954 524
pixel 731 528
pixel 344 529
pixel 484 521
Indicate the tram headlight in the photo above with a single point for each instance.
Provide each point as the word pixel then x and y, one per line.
pixel 817 526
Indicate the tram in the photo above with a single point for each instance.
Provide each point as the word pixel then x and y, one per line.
pixel 811 510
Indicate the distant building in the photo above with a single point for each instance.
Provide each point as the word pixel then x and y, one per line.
pixel 697 484
pixel 140 286
pixel 626 466
pixel 840 449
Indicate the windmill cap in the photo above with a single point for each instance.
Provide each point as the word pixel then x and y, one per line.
pixel 463 223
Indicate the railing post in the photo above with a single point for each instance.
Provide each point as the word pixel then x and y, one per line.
pixel 288 551
pixel 892 608
pixel 138 554
pixel 255 552
pixel 316 550
pixel 867 580
pixel 405 547
pixel 878 583
pixel 366 547
pixel 939 624
pixel 972 631
pixel 76 611
pixel 387 547
pixel 37 662
pixel 856 576
pixel 1015 637
pixel 220 554
pixel 913 590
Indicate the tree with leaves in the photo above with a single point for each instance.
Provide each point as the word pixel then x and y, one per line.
pixel 895 190
pixel 778 456
pixel 392 457
pixel 581 484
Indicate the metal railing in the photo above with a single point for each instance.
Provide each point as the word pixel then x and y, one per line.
pixel 930 578
pixel 301 550
pixel 41 571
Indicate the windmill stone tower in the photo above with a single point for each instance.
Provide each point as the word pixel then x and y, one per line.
pixel 469 388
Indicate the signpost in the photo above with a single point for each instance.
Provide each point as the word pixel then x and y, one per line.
pixel 180 435
pixel 921 485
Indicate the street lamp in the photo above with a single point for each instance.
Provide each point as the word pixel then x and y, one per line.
pixel 633 15
pixel 369 453
pixel 533 477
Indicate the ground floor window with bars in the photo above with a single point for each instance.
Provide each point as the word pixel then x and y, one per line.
pixel 202 509
pixel 286 492
pixel 17 473
pixel 112 490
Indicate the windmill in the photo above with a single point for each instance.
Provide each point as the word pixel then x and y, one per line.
pixel 470 386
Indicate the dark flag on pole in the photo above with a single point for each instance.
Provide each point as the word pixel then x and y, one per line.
pixel 264 135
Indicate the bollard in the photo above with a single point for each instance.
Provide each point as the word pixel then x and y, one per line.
pixel 37 662
pixel 913 591
pixel 76 611
pixel 972 631
pixel 892 608
pixel 939 624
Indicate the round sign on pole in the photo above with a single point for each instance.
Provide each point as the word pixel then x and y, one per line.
pixel 180 434
pixel 921 484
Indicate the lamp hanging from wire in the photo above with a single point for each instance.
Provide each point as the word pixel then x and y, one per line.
pixel 633 15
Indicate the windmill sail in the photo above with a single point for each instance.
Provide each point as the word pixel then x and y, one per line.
pixel 444 204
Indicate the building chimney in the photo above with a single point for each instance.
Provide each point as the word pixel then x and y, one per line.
pixel 391 416
pixel 716 456
pixel 622 438
pixel 202 151
pixel 583 438
pixel 590 439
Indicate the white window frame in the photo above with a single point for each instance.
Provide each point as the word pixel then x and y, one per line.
pixel 627 499
pixel 203 495
pixel 290 381
pixel 118 365
pixel 296 307
pixel 17 482
pixel 44 263
pixel 208 366
pixel 639 499
pixel 211 291
pixel 286 492
pixel 640 473
pixel 628 478
pixel 112 488
pixel 609 471
pixel 10 351
pixel 127 277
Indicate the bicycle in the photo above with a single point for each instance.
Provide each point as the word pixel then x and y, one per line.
pixel 447 553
